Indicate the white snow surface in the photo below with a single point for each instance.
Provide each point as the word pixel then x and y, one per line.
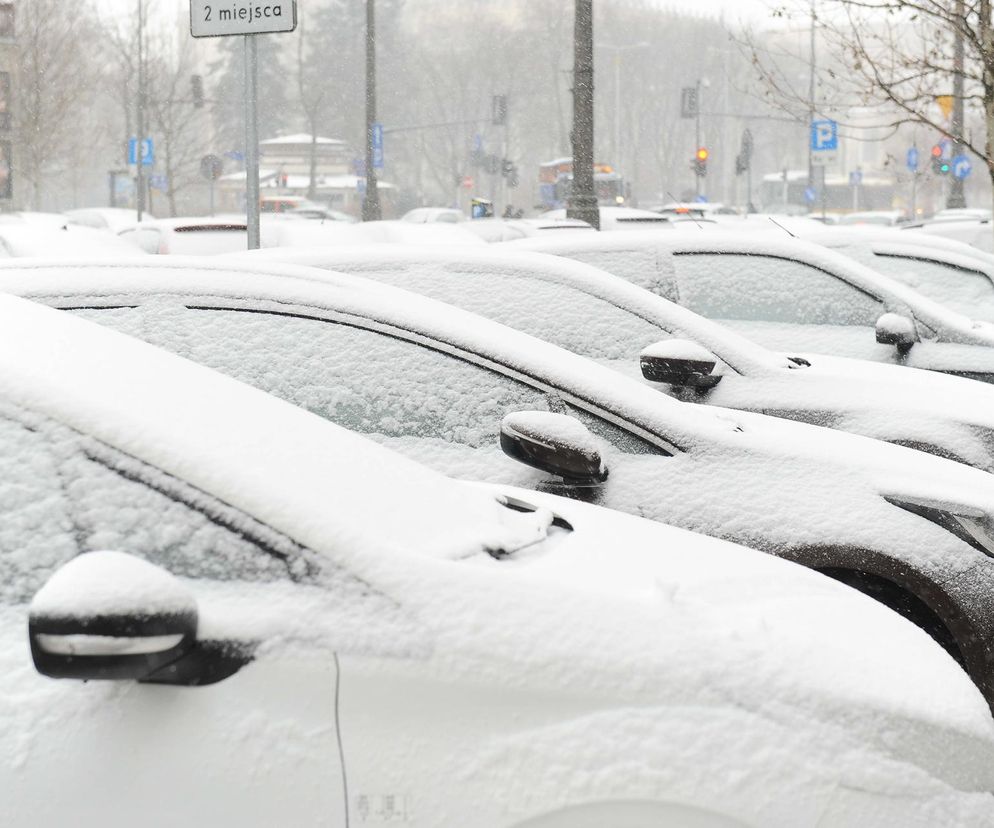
pixel 759 480
pixel 606 318
pixel 107 582
pixel 349 502
pixel 604 250
pixel 633 656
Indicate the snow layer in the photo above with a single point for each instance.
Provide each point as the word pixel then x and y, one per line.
pixel 621 659
pixel 111 583
pixel 628 257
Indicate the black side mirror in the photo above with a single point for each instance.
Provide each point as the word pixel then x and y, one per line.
pixel 108 615
pixel 897 330
pixel 555 443
pixel 680 362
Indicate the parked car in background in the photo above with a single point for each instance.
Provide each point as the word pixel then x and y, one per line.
pixel 199 236
pixel 30 239
pixel 320 605
pixel 952 273
pixel 881 218
pixel 608 319
pixel 791 296
pixel 114 219
pixel 431 215
pixel 977 233
pixel 619 218
pixel 480 401
pixel 501 230
pixel 334 234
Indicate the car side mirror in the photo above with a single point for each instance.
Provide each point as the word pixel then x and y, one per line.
pixel 555 443
pixel 897 330
pixel 109 615
pixel 680 362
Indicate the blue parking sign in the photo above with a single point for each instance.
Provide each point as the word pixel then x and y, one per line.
pixel 824 135
pixel 147 152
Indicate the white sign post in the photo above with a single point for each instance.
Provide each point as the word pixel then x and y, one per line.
pixel 247 18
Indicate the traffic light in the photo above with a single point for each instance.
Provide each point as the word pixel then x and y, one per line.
pixel 940 166
pixel 701 162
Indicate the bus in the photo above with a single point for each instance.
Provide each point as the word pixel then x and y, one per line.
pixel 555 180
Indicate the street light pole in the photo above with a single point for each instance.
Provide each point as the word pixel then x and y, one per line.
pixel 371 210
pixel 139 156
pixel 582 203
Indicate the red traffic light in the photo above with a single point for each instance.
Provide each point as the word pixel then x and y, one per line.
pixel 702 154
pixel 937 151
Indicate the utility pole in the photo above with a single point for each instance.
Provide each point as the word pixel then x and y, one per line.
pixel 956 195
pixel 139 155
pixel 582 203
pixel 371 203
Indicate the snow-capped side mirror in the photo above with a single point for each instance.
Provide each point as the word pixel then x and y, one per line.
pixel 110 615
pixel 899 331
pixel 555 443
pixel 680 362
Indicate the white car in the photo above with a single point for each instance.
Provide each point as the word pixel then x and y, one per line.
pixel 977 233
pixel 114 219
pixel 306 629
pixel 477 400
pixel 197 236
pixel 953 274
pixel 608 319
pixel 334 234
pixel 790 295
pixel 73 241
pixel 620 218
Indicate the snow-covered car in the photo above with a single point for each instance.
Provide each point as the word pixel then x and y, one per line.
pixel 307 629
pixel 977 233
pixel 72 241
pixel 337 233
pixel 790 295
pixel 952 273
pixel 197 236
pixel 619 218
pixel 475 399
pixel 502 230
pixel 432 215
pixel 114 219
pixel 610 320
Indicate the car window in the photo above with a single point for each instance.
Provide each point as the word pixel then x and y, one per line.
pixel 366 381
pixel 640 265
pixel 62 494
pixel 556 312
pixel 392 389
pixel 770 289
pixel 958 287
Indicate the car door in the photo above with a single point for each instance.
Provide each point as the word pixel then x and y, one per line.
pixel 258 748
pixel 782 303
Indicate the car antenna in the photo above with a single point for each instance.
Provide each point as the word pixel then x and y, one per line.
pixel 778 224
pixel 689 214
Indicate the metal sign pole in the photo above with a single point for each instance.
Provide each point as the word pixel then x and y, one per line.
pixel 139 156
pixel 251 143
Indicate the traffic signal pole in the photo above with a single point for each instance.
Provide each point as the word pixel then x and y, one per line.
pixel 697 142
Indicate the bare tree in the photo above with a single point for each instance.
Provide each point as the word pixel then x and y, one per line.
pixel 918 61
pixel 56 75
